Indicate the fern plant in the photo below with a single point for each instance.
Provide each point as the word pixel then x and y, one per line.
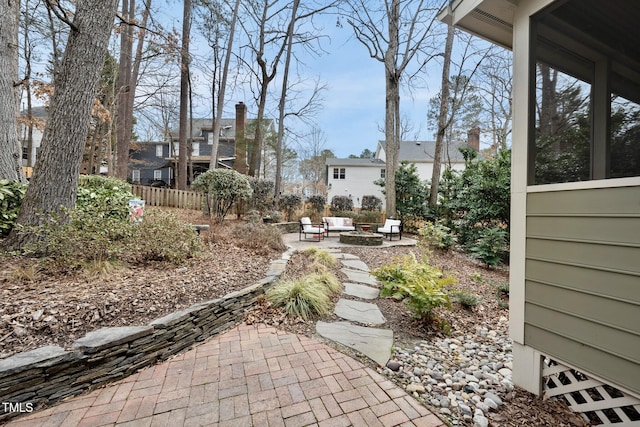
pixel 422 287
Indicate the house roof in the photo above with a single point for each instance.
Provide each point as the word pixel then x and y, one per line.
pixel 423 151
pixel 227 126
pixel 333 161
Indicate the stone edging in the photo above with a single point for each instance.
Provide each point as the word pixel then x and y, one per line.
pixel 33 379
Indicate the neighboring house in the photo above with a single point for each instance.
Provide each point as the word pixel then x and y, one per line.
pixel 152 162
pixel 355 177
pixel 39 115
pixel 575 215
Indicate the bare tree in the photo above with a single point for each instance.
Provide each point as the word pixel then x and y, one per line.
pixel 442 117
pixel 10 149
pixel 55 179
pixel 184 96
pixel 495 89
pixel 398 34
pixel 217 119
pixel 128 74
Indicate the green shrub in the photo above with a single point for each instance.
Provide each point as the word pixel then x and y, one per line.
pixel 86 239
pixel 223 188
pixel 478 197
pixel 262 194
pixel 11 196
pixel 491 247
pixel 437 235
pixel 341 204
pixel 371 203
pixel 317 203
pixel 289 203
pixel 162 236
pixel 301 297
pixel 466 299
pixel 83 237
pixel 261 238
pixel 105 196
pixel 420 286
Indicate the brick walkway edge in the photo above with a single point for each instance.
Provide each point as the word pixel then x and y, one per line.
pixel 252 375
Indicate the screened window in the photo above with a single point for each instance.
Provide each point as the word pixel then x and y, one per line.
pixel 339 173
pixel 135 176
pixel 383 173
pixel 157 174
pixel 586 113
pixel 195 148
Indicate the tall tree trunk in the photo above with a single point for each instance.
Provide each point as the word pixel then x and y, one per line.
pixel 10 148
pixel 392 106
pixel 124 91
pixel 223 84
pixel 184 96
pixel 442 119
pixel 282 103
pixel 54 183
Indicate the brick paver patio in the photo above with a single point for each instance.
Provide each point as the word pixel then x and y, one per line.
pixel 249 376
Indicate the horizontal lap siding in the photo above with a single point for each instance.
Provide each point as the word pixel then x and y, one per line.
pixel 582 297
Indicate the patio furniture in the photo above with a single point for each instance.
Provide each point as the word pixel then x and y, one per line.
pixel 391 227
pixel 338 224
pixel 317 230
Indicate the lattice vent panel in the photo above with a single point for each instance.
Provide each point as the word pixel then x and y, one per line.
pixel 598 403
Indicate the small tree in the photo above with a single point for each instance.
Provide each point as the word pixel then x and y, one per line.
pixel 371 203
pixel 412 194
pixel 341 204
pixel 317 203
pixel 289 203
pixel 223 188
pixel 262 196
pixel 478 197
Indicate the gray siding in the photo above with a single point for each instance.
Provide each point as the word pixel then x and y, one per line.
pixel 582 297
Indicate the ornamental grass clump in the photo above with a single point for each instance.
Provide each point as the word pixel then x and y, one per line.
pixel 422 287
pixel 321 256
pixel 300 297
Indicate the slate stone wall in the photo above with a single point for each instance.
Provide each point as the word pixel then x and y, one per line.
pixel 33 379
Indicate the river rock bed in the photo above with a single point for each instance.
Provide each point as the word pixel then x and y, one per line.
pixel 461 377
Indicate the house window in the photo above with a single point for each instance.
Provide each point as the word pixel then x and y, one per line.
pixel 586 107
pixel 157 174
pixel 176 149
pixel 195 148
pixel 383 173
pixel 338 173
pixel 159 150
pixel 135 176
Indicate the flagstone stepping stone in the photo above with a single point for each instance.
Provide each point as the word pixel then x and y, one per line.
pixel 361 291
pixel 356 264
pixel 360 276
pixel 345 256
pixel 357 311
pixel 375 343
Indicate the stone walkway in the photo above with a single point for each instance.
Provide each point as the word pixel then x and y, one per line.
pixel 260 376
pixel 371 341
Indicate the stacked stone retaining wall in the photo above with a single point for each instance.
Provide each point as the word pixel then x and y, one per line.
pixel 40 377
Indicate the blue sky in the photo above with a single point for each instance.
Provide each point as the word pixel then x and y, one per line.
pixel 352 114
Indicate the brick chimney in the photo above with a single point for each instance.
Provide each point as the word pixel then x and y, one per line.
pixel 473 138
pixel 240 163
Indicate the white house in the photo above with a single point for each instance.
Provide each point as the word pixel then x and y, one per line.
pixel 575 196
pixel 355 177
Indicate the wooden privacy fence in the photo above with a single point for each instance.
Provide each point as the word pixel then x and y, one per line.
pixel 169 197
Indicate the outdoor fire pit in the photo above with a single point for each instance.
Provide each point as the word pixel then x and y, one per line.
pixel 362 238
